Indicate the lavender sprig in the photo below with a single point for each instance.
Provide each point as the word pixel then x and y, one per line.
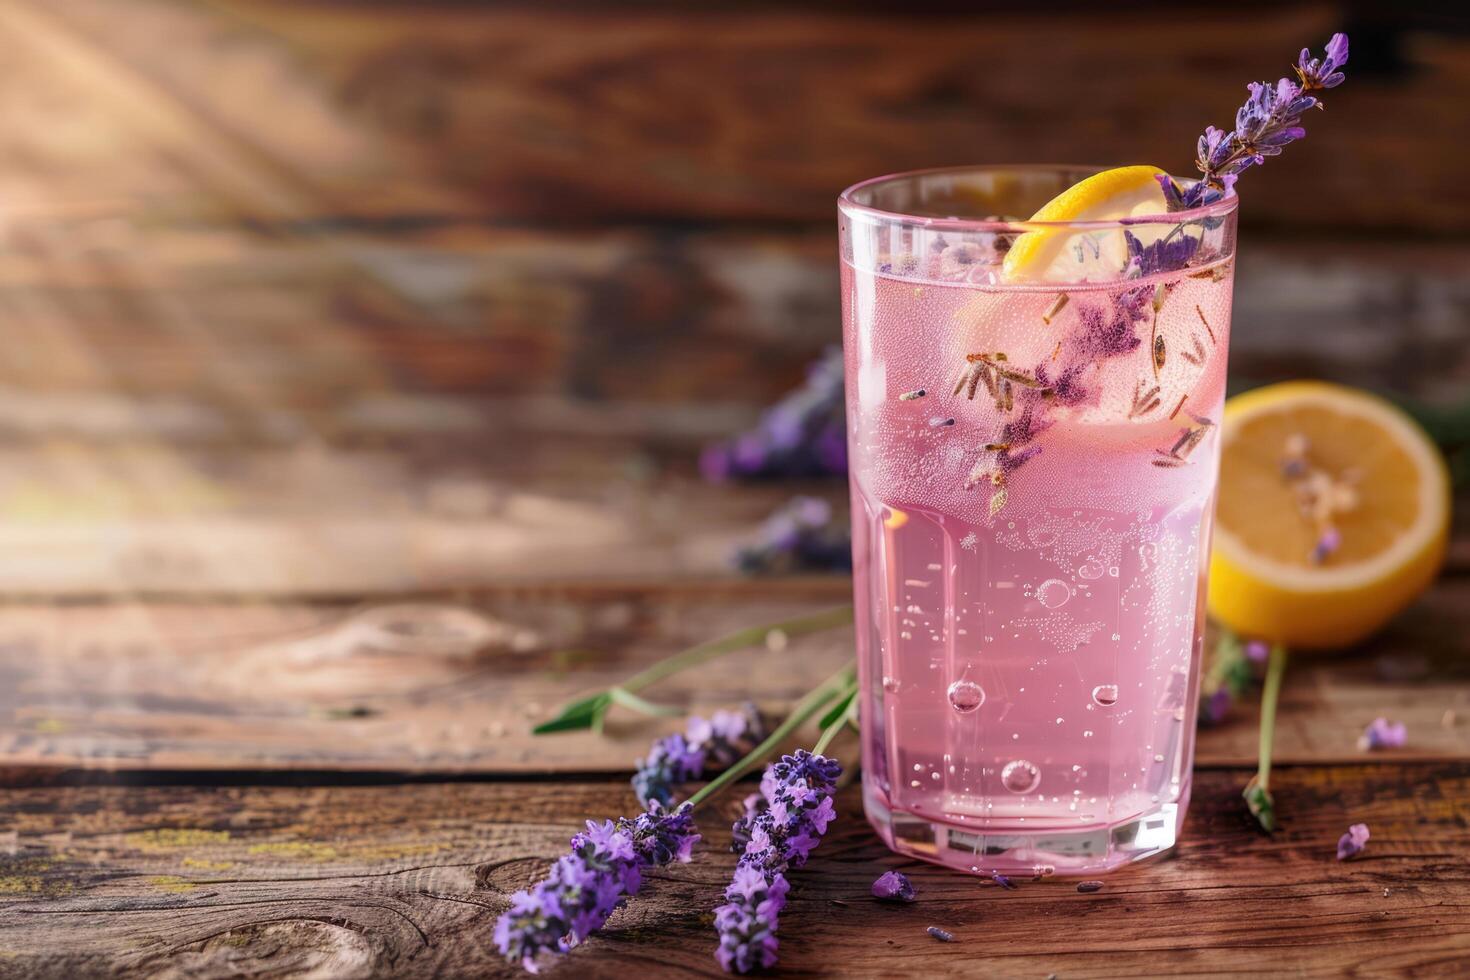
pixel 802 435
pixel 1268 120
pixel 715 742
pixel 586 886
pixel 780 829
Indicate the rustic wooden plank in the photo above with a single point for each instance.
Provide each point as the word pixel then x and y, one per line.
pixel 455 685
pixel 227 334
pixel 379 880
pixel 149 445
pixel 727 111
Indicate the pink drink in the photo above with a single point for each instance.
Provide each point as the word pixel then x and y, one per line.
pixel 1029 577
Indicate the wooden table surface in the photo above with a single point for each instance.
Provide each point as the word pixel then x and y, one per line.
pixel 347 427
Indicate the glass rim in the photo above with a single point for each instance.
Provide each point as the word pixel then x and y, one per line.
pixel 849 205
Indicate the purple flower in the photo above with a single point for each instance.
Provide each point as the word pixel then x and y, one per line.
pixel 1323 73
pixel 1163 255
pixel 802 435
pixel 1327 543
pixel 747 921
pixel 1257 651
pixel 778 831
pixel 1352 843
pixel 1215 707
pixel 584 888
pixel 893 886
pixel 803 534
pixel 1003 881
pixel 1266 122
pixel 1383 734
pixel 1067 387
pixel 675 759
pixel 1105 333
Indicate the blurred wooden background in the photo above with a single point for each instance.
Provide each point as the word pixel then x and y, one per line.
pixel 338 297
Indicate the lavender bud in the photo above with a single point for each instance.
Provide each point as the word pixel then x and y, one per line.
pixel 893 886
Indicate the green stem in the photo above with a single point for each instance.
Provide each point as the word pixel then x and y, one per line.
pixel 808 706
pixel 749 636
pixel 830 732
pixel 1275 667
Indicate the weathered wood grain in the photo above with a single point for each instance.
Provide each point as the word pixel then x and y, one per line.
pixel 731 111
pixel 173 881
pixel 449 684
pixel 222 412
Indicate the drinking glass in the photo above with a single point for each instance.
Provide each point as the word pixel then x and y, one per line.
pixel 1033 457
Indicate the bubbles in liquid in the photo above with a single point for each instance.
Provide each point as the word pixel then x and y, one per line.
pixel 1090 570
pixel 891 685
pixel 1105 694
pixel 1020 776
pixel 966 696
pixel 1053 593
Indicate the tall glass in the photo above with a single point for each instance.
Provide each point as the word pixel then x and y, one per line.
pixel 1033 460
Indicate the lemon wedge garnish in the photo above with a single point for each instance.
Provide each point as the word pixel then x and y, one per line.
pixel 1301 457
pixel 1062 255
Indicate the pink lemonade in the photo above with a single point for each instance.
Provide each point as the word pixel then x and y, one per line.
pixel 1033 467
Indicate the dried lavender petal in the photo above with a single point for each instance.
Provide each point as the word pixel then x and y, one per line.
pixel 1352 842
pixel 1383 734
pixel 1214 709
pixel 1089 886
pixel 1003 881
pixel 893 886
pixel 942 935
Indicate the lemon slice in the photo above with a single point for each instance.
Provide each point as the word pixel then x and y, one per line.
pixel 1333 514
pixel 1064 255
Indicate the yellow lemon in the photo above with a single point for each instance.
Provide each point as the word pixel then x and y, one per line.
pixel 1333 514
pixel 1066 255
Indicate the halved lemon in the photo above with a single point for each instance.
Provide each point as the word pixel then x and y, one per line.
pixel 1060 254
pixel 1333 514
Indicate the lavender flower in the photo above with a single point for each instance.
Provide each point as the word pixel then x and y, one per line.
pixel 1214 708
pixel 777 832
pixel 1327 543
pixel 1164 255
pixel 1352 843
pixel 1383 734
pixel 804 534
pixel 1003 881
pixel 1067 387
pixel 1106 332
pixel 1257 651
pixel 748 920
pixel 603 870
pixel 1267 121
pixel 943 935
pixel 1314 73
pixel 893 886
pixel 802 435
pixel 675 759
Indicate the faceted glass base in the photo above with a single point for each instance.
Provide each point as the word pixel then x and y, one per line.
pixel 1032 851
